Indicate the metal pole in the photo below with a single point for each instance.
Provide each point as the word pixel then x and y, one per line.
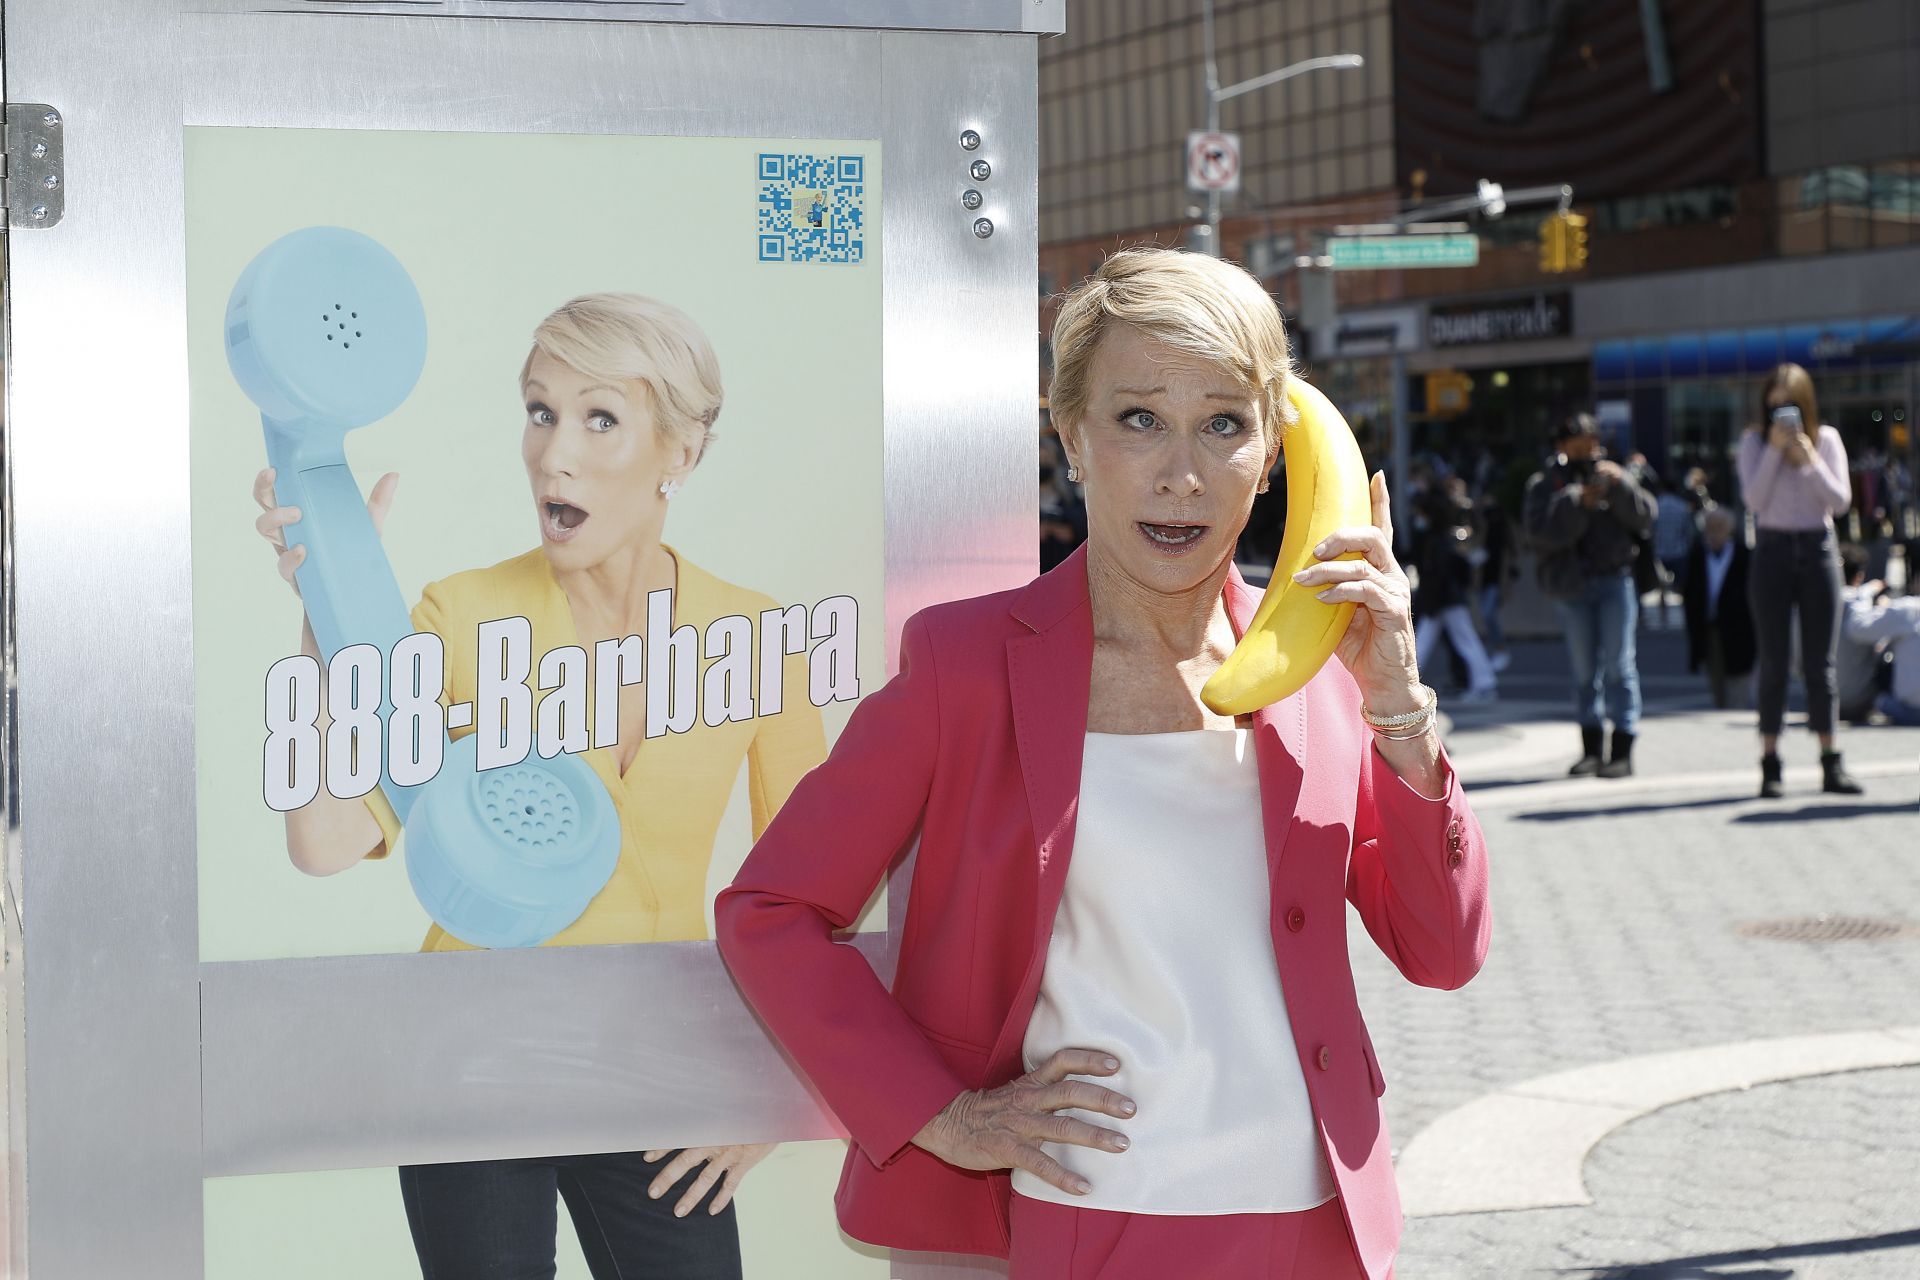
pixel 1213 124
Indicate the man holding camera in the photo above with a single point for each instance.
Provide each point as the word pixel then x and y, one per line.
pixel 1585 516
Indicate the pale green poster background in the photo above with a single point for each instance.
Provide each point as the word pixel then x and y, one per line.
pixel 497 230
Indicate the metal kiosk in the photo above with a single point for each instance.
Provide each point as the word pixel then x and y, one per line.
pixel 142 1070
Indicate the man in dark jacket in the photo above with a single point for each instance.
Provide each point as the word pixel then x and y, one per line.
pixel 1713 590
pixel 1586 516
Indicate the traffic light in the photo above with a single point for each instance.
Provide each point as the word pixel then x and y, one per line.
pixel 1576 232
pixel 1563 242
pixel 1553 245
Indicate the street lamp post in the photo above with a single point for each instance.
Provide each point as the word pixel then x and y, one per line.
pixel 1217 95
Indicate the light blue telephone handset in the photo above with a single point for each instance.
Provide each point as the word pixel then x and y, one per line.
pixel 325 332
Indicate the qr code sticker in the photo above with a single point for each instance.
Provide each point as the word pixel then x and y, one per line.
pixel 812 208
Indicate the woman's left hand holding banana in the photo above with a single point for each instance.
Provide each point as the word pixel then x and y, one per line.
pixel 1378 645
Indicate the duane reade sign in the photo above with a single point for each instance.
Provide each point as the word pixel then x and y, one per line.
pixel 1526 319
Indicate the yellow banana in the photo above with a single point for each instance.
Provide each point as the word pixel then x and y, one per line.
pixel 1293 634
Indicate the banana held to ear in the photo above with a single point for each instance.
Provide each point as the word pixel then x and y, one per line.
pixel 1293 634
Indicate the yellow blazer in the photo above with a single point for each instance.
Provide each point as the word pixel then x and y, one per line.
pixel 675 791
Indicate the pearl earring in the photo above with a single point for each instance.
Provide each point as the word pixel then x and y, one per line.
pixel 669 487
pixel 1073 474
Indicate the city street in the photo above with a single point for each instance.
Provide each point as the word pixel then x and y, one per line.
pixel 1621 950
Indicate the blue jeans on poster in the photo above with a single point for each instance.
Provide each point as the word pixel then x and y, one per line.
pixel 496 1220
pixel 1599 624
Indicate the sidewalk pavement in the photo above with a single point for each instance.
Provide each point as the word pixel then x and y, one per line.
pixel 1618 914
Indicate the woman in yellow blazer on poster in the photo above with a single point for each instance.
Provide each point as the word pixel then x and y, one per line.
pixel 621 393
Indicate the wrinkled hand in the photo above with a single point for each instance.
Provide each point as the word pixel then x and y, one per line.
pixel 1002 1128
pixel 1610 471
pixel 1378 645
pixel 726 1165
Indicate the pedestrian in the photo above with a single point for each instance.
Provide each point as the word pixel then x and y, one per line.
pixel 1440 602
pixel 1104 929
pixel 1858 659
pixel 1694 489
pixel 1586 517
pixel 1875 619
pixel 1713 593
pixel 1795 484
pixel 1497 534
pixel 1673 537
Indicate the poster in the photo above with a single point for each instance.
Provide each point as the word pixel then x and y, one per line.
pixel 590 565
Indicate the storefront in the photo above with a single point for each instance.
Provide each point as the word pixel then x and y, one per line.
pixel 1685 397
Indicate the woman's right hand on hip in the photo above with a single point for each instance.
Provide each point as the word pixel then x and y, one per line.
pixel 1003 1127
pixel 273 520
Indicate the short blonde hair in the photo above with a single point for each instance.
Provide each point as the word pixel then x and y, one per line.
pixel 624 337
pixel 1197 304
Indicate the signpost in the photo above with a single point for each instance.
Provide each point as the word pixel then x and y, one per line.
pixel 1381 253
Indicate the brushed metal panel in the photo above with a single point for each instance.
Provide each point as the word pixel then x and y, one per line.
pixel 962 444
pixel 97 385
pixel 1042 17
pixel 361 1061
pixel 378 1060
pixel 367 72
pixel 962 319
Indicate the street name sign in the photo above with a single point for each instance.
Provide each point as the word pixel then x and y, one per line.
pixel 1385 253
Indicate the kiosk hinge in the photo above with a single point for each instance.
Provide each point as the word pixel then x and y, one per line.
pixel 33 166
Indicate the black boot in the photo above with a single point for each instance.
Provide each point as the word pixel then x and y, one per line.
pixel 1770 788
pixel 1591 736
pixel 1620 763
pixel 1836 779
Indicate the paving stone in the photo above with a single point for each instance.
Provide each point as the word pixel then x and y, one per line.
pixel 1615 934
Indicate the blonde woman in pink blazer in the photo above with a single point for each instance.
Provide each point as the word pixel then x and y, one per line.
pixel 1122 1039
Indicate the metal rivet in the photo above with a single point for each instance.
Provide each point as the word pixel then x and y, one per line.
pixel 51 182
pixel 51 119
pixel 972 198
pixel 969 140
pixel 39 213
pixel 983 227
pixel 981 171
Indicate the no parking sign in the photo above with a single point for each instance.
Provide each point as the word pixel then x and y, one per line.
pixel 1213 161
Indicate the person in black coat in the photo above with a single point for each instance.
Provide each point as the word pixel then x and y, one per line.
pixel 1719 624
pixel 1440 602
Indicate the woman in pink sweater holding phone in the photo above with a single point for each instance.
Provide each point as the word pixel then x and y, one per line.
pixel 1795 484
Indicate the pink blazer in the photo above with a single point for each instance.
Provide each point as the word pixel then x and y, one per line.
pixel 975 746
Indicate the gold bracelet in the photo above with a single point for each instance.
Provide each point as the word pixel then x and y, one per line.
pixel 1405 718
pixel 1418 730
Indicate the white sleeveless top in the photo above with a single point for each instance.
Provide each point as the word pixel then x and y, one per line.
pixel 1162 954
